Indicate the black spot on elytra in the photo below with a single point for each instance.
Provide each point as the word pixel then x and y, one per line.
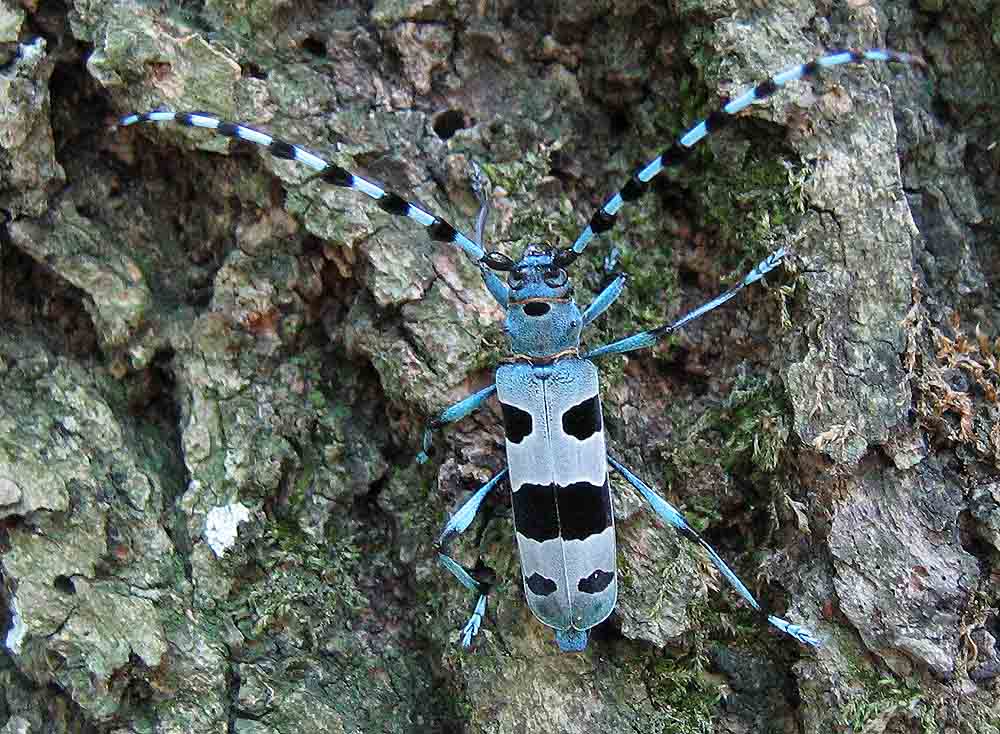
pixel 596 582
pixel 540 585
pixel 584 509
pixel 535 513
pixel 575 512
pixel 584 419
pixel 516 422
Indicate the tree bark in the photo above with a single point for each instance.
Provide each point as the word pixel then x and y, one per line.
pixel 215 368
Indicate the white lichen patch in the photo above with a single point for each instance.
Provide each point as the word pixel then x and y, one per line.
pixel 17 631
pixel 10 493
pixel 222 524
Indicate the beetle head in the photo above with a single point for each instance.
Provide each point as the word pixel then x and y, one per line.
pixel 540 273
pixel 542 317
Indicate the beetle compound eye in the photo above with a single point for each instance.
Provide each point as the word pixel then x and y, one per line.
pixel 555 277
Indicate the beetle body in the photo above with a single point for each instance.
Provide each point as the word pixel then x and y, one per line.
pixel 556 453
pixel 557 458
pixel 559 490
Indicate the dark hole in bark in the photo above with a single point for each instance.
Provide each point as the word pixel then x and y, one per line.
pixel 448 123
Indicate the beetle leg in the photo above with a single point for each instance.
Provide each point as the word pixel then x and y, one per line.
pixel 648 338
pixel 451 414
pixel 604 299
pixel 455 526
pixel 669 514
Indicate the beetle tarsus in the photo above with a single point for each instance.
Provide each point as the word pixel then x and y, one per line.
pixel 471 628
pixel 571 640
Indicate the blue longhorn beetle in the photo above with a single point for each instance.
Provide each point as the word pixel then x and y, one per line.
pixel 557 462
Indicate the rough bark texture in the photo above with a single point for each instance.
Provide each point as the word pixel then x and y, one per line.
pixel 214 371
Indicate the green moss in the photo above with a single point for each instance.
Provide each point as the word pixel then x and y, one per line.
pixel 881 695
pixel 723 618
pixel 518 177
pixel 743 185
pixel 751 203
pixel 745 434
pixel 738 191
pixel 755 423
pixel 702 512
pixel 687 699
pixel 652 277
pixel 303 583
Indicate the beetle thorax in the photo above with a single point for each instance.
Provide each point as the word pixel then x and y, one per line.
pixel 543 320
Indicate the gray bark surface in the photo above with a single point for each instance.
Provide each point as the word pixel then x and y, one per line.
pixel 215 369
